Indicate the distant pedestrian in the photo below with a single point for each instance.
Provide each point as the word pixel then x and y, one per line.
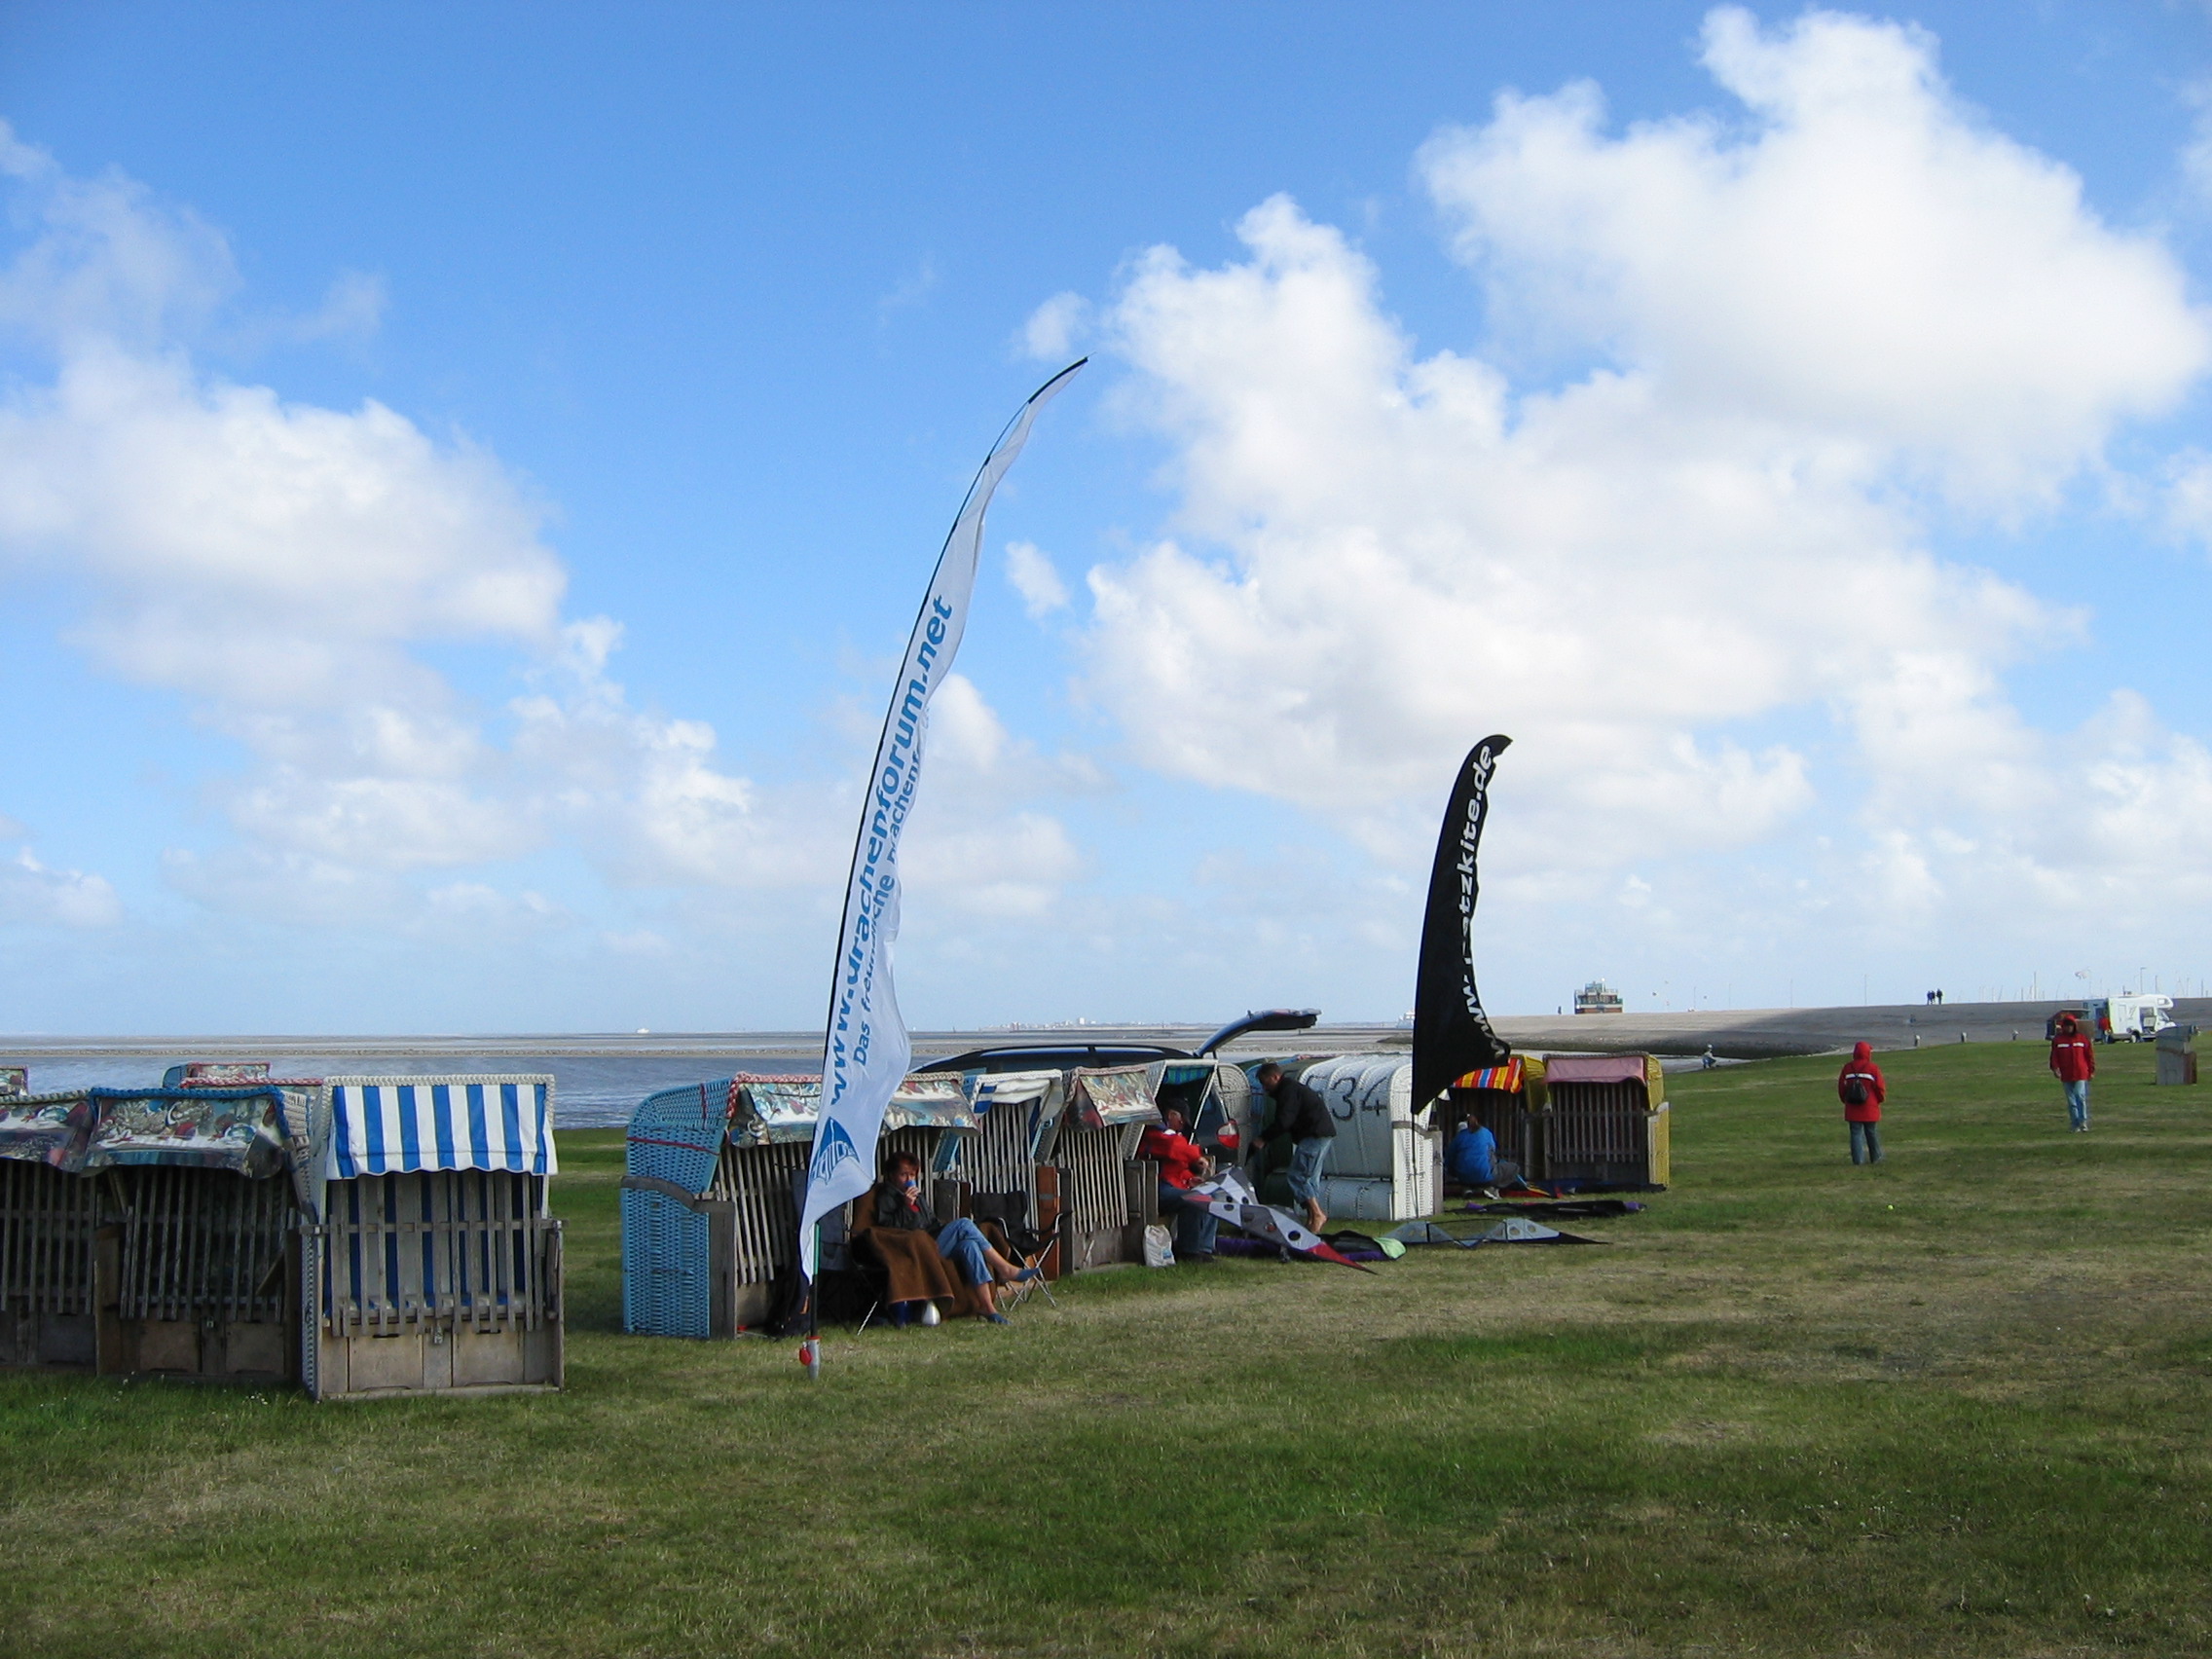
pixel 1709 1059
pixel 2074 1061
pixel 1860 1089
pixel 1302 1115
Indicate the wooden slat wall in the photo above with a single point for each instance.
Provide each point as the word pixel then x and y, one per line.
pixel 201 1244
pixel 1093 1188
pixel 758 1181
pixel 1596 1123
pixel 47 1223
pixel 451 1247
pixel 996 1158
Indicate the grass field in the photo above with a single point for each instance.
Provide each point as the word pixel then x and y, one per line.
pixel 1956 1404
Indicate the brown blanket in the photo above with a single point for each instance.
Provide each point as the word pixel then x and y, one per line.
pixel 917 1272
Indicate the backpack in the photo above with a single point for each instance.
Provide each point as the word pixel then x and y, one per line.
pixel 1854 1091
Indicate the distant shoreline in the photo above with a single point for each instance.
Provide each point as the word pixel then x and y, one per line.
pixel 1732 1034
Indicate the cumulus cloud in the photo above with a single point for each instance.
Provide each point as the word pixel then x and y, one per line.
pixel 1053 328
pixel 1869 264
pixel 32 893
pixel 1031 571
pixel 1679 575
pixel 280 567
pixel 984 837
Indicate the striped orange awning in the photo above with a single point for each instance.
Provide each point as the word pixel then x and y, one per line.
pixel 1507 1077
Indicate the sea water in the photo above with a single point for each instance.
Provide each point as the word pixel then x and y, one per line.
pixel 589 1090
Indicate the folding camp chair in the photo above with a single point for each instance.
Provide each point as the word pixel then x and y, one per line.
pixel 1004 1218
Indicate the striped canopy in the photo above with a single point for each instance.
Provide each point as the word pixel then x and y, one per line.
pixel 390 1125
pixel 1507 1077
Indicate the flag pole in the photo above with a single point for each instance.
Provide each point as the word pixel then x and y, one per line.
pixel 864 1046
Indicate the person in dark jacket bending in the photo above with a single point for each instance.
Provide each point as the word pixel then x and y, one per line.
pixel 1303 1117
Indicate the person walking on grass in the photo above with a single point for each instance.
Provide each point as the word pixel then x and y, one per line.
pixel 1861 1091
pixel 1303 1117
pixel 2072 1061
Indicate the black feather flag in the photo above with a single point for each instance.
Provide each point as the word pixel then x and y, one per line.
pixel 1452 1035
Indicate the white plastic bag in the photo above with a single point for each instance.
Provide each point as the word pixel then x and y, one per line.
pixel 1158 1248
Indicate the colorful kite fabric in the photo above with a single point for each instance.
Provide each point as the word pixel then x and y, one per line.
pixel 1120 1094
pixel 239 1129
pixel 773 1110
pixel 1229 1197
pixel 52 1129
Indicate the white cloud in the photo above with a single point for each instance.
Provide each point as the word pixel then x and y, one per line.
pixel 2197 153
pixel 1031 571
pixel 1052 329
pixel 279 566
pixel 110 262
pixel 982 838
pixel 910 291
pixel 1868 265
pixel 1666 575
pixel 32 893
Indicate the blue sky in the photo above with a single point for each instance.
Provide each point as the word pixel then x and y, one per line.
pixel 697 321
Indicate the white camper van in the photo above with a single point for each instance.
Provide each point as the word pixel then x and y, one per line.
pixel 2137 1019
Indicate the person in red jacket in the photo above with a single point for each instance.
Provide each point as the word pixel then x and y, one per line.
pixel 2072 1061
pixel 1181 1162
pixel 1860 1089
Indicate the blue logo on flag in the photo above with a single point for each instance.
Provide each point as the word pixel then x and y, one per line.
pixel 836 1148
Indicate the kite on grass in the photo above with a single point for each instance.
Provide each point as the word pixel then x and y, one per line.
pixel 1231 1198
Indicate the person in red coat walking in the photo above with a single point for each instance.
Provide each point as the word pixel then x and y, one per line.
pixel 1860 1089
pixel 2074 1061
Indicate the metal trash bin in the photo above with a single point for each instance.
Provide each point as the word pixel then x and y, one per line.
pixel 2177 1055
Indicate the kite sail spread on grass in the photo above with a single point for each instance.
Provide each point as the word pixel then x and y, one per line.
pixel 1452 1035
pixel 1230 1199
pixel 866 1052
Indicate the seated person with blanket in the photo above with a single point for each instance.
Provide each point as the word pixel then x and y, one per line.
pixel 1181 1162
pixel 915 1247
pixel 1473 1160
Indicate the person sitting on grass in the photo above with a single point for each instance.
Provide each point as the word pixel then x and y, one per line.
pixel 1182 1161
pixel 1860 1089
pixel 1473 1158
pixel 898 1208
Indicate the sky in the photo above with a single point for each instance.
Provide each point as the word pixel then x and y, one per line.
pixel 467 475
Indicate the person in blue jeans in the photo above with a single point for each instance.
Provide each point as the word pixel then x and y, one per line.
pixel 1182 1163
pixel 1861 1089
pixel 1302 1115
pixel 960 1242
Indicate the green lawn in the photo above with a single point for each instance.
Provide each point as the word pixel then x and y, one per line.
pixel 1956 1404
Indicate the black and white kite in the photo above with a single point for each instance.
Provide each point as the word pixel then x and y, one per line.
pixel 1230 1199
